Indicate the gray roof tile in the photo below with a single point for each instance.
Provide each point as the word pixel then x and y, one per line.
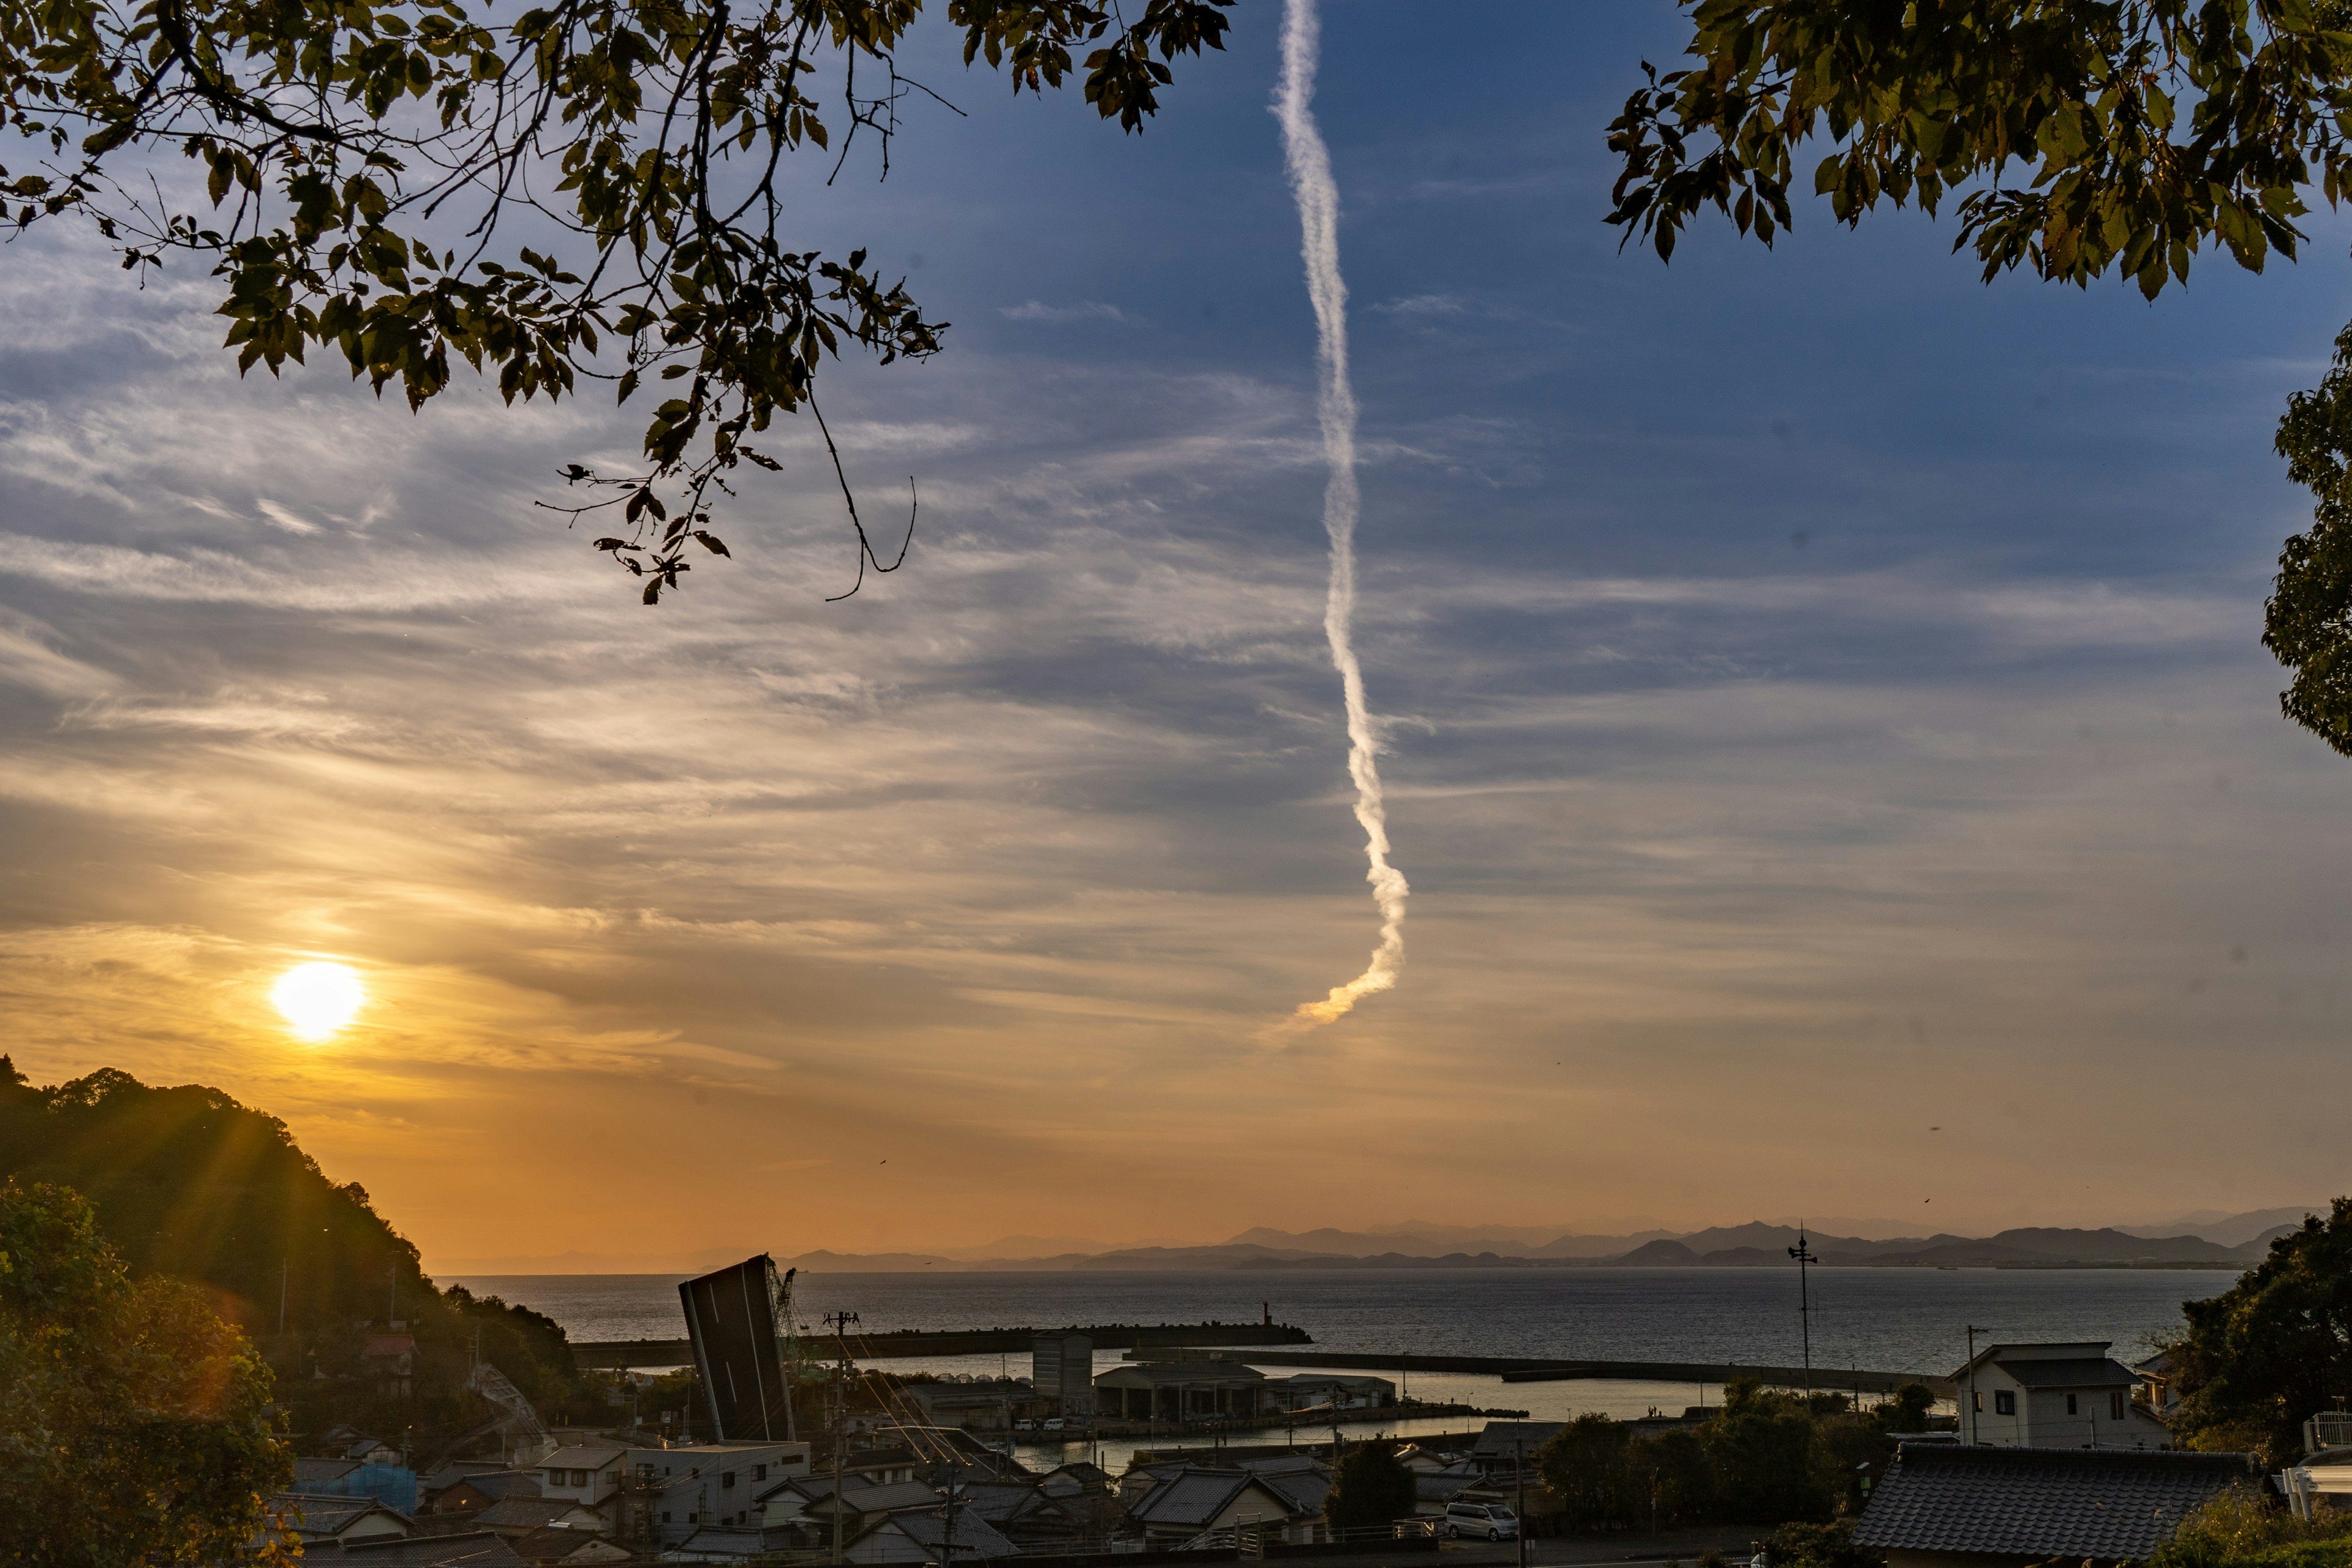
pixel 2110 1505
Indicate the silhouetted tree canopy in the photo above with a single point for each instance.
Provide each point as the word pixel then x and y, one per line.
pixel 135 1426
pixel 2274 1349
pixel 597 189
pixel 1371 1486
pixel 2078 139
pixel 187 1184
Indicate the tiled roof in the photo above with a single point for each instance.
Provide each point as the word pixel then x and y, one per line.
pixel 1500 1437
pixel 1195 1498
pixel 525 1512
pixel 2094 1372
pixel 973 1534
pixel 2110 1505
pixel 583 1456
pixel 312 1514
pixel 482 1550
pixel 503 1483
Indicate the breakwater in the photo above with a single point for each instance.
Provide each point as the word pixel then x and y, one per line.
pixel 1536 1369
pixel 905 1343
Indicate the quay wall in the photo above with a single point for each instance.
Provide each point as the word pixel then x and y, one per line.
pixel 607 1355
pixel 1534 1369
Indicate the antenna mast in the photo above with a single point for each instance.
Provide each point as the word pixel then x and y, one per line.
pixel 1805 1259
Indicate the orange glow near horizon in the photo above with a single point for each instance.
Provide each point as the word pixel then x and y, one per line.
pixel 318 1000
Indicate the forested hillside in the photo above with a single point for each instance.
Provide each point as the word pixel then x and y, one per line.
pixel 189 1184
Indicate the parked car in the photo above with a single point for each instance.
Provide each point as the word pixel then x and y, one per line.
pixel 1488 1520
pixel 1054 1423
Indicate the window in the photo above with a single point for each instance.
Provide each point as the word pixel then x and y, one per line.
pixel 758 1472
pixel 555 1477
pixel 2071 1409
pixel 579 1477
pixel 665 1516
pixel 2115 1404
pixel 1976 1401
pixel 727 1478
pixel 2004 1403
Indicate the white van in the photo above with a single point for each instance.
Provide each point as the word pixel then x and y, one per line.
pixel 1488 1520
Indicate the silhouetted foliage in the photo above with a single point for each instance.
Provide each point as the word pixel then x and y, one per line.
pixel 371 176
pixel 135 1426
pixel 188 1183
pixel 2090 138
pixel 1371 1486
pixel 2274 1349
pixel 2309 623
pixel 1830 1545
pixel 2242 1529
pixel 1763 1458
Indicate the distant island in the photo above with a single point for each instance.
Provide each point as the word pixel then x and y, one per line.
pixel 2228 1242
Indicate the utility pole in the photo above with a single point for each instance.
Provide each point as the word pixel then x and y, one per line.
pixel 1805 1259
pixel 1973 1333
pixel 947 1537
pixel 839 1322
pixel 283 1267
pixel 1520 1507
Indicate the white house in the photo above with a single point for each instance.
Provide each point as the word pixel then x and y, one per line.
pixel 585 1473
pixel 2067 1395
pixel 711 1483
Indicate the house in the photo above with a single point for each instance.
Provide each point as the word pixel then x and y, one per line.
pixel 519 1516
pixel 1504 1445
pixel 465 1551
pixel 556 1547
pixel 1188 1501
pixel 716 1485
pixel 727 1543
pixel 351 1443
pixel 472 1493
pixel 394 1486
pixel 331 1521
pixel 1178 1391
pixel 391 1361
pixel 585 1473
pixel 920 1535
pixel 432 1486
pixel 990 1405
pixel 309 1472
pixel 2059 1395
pixel 1975 1506
pixel 1303 1480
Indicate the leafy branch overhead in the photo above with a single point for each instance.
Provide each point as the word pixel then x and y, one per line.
pixel 591 189
pixel 2077 138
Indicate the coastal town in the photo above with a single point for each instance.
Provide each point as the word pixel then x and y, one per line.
pixel 793 1450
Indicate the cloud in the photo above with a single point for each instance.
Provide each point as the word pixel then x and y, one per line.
pixel 1086 310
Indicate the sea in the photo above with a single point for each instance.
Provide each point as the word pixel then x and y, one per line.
pixel 1884 1320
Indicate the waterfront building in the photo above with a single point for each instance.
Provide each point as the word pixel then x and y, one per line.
pixel 1062 1372
pixel 1178 1391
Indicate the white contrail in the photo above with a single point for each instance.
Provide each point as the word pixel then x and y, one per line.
pixel 1319 221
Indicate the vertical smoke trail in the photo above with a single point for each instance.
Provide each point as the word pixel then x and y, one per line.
pixel 1317 196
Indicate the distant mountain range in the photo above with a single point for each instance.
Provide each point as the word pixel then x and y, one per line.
pixel 2209 1240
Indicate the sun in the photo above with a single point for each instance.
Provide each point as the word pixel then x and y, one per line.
pixel 319 999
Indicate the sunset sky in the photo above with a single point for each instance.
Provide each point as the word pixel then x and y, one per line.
pixel 1824 700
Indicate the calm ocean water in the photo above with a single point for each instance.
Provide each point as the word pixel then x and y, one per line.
pixel 1889 1319
pixel 1885 1318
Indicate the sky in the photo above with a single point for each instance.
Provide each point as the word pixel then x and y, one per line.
pixel 1826 730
